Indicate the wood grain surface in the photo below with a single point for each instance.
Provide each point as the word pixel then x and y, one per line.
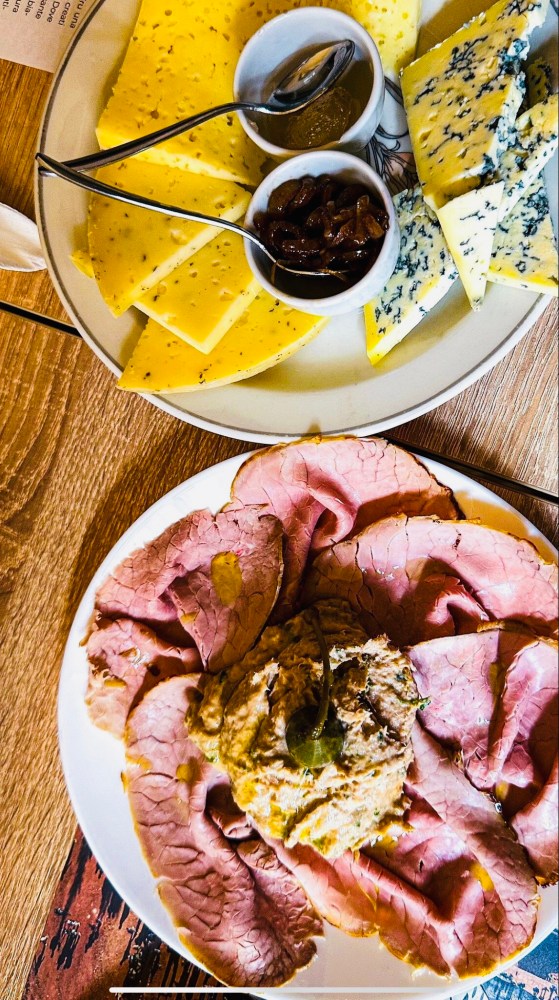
pixel 81 460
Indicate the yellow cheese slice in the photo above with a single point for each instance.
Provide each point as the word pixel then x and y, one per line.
pixel 82 261
pixel 132 249
pixel 393 26
pixel 462 98
pixel 266 333
pixel 201 300
pixel 524 252
pixel 181 59
pixel 469 224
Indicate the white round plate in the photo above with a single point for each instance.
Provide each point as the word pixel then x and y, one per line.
pixel 329 386
pixel 93 760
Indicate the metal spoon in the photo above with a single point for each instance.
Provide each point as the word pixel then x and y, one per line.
pixel 53 168
pixel 300 87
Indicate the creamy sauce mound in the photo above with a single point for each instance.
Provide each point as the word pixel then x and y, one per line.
pixel 241 718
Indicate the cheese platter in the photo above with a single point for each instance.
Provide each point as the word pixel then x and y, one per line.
pixel 416 344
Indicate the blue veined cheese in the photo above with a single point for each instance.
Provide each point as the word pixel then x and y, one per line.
pixel 524 251
pixel 469 224
pixel 462 98
pixel 539 76
pixel 535 143
pixel 424 273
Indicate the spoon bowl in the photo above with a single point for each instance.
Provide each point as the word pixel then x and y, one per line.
pixel 310 78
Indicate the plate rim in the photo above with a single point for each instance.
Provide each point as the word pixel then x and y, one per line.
pixel 448 989
pixel 243 433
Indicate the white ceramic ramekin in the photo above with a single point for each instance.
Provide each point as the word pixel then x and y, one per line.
pixel 277 43
pixel 347 168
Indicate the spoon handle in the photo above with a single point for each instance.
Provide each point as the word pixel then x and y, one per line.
pixel 124 149
pixel 53 168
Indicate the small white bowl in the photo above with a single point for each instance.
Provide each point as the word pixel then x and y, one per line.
pixel 273 48
pixel 350 169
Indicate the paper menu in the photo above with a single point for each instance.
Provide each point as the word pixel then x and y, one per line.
pixel 37 32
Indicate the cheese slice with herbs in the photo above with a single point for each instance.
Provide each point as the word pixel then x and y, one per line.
pixel 181 59
pixel 82 262
pixel 536 138
pixel 393 25
pixel 424 273
pixel 200 300
pixel 524 251
pixel 267 332
pixel 462 98
pixel 469 224
pixel 132 249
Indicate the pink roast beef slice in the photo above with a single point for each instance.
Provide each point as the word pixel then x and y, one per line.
pixel 138 587
pixel 332 886
pixel 494 696
pixel 126 659
pixel 225 604
pixel 216 577
pixel 226 814
pixel 236 907
pixel 324 490
pixel 418 578
pixel 536 828
pixel 464 882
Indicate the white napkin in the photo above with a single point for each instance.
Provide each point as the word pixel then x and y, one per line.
pixel 20 248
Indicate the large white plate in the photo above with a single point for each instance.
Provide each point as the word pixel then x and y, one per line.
pixel 329 386
pixel 93 760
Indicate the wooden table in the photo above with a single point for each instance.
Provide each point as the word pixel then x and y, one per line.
pixel 81 460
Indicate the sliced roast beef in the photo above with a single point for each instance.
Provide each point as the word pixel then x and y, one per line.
pixel 536 828
pixel 238 909
pixel 126 659
pixel 418 578
pixel 138 588
pixel 493 695
pixel 215 578
pixel 332 886
pixel 459 862
pixel 324 490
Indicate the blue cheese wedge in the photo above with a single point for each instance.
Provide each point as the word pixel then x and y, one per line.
pixel 462 98
pixel 267 332
pixel 132 249
pixel 200 300
pixel 524 252
pixel 424 273
pixel 536 138
pixel 469 224
pixel 539 76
